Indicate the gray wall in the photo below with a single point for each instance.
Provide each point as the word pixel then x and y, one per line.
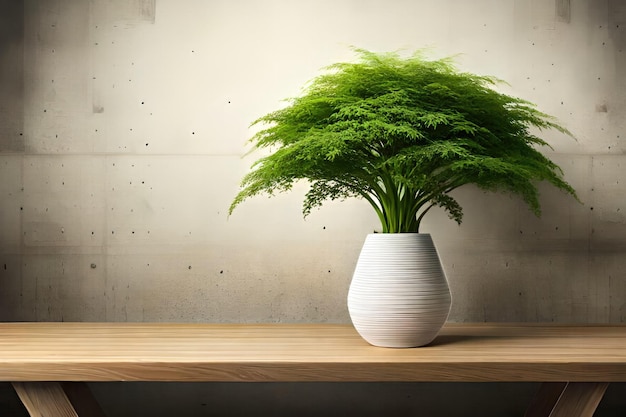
pixel 123 128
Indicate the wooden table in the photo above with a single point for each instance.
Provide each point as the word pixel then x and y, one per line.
pixel 48 363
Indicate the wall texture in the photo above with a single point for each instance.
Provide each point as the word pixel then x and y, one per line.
pixel 123 128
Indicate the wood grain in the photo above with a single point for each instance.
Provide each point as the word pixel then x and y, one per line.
pixel 579 399
pixel 567 399
pixel 316 352
pixel 45 399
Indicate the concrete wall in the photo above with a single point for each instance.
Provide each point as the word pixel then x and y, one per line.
pixel 122 134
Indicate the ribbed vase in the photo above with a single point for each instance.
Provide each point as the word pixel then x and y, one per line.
pixel 399 296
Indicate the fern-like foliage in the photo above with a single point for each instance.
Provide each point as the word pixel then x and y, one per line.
pixel 402 133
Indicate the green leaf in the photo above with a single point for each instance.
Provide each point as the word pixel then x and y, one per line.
pixel 402 133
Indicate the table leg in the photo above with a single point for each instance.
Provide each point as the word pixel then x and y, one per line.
pixel 58 399
pixel 567 399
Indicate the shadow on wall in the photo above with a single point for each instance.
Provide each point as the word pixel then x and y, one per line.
pixel 617 33
pixel 617 23
pixel 11 75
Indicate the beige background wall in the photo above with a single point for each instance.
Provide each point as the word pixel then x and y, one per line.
pixel 122 133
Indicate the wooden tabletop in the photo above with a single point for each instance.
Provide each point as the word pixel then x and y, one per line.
pixel 306 352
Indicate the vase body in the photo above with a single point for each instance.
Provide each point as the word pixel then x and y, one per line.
pixel 399 296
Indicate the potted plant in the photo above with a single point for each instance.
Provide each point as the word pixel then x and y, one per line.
pixel 401 133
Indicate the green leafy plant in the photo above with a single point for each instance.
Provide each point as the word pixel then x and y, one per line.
pixel 402 133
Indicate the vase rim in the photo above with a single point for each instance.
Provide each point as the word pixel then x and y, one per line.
pixel 397 234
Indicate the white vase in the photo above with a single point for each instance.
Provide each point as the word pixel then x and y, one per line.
pixel 399 296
